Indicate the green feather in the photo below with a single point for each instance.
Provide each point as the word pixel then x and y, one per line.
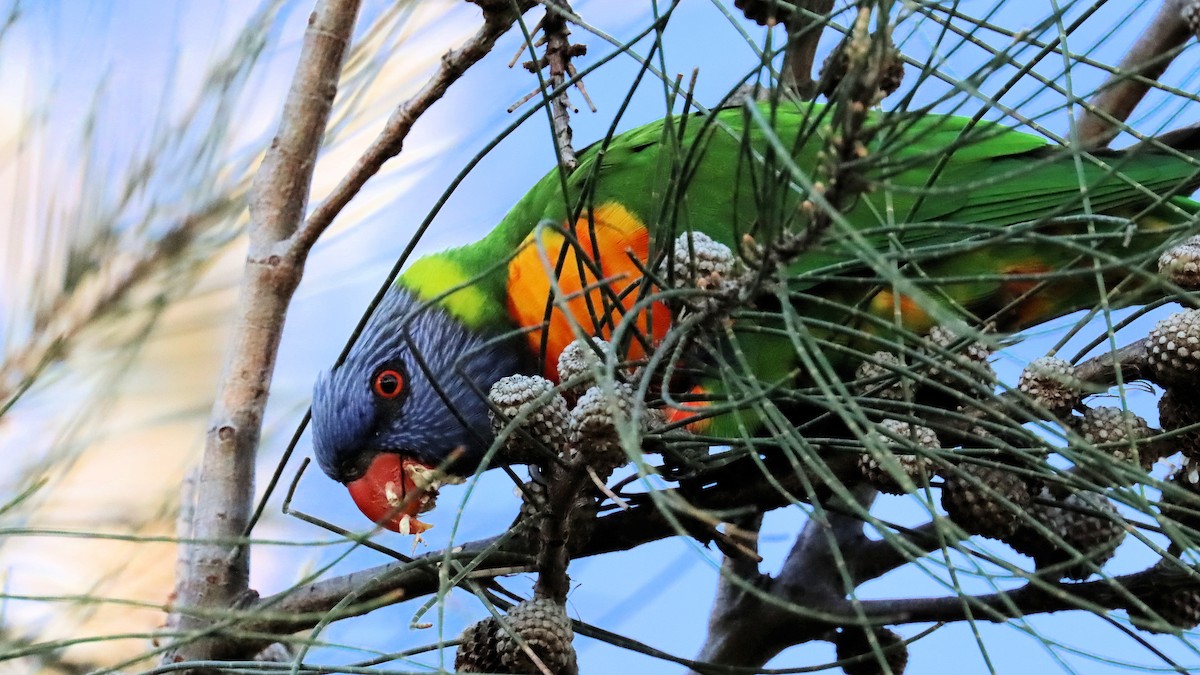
pixel 951 207
pixel 719 175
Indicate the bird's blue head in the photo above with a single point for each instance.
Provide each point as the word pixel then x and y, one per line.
pixel 411 390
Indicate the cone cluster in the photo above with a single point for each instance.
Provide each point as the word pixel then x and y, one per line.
pixel 1050 382
pixel 539 412
pixel 1173 347
pixel 545 421
pixel 1074 539
pixel 882 468
pixel 534 631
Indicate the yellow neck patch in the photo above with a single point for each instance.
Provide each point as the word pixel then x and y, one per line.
pixel 435 278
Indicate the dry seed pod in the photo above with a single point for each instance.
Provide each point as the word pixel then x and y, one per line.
pixel 1190 11
pixel 985 500
pixel 593 426
pixel 1086 523
pixel 1180 500
pixel 1122 436
pixel 971 361
pixel 1173 348
pixel 1051 383
pixel 876 376
pixel 697 257
pixel 544 628
pixel 530 402
pixel 1176 411
pixel 479 651
pixel 878 469
pixel 699 261
pixel 1181 263
pixel 579 361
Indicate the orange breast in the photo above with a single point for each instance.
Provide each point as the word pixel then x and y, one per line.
pixel 589 282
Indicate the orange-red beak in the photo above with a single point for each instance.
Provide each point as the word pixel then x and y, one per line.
pixel 393 491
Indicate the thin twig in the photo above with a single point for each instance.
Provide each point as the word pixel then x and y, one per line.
pixel 559 51
pixel 101 292
pixel 497 19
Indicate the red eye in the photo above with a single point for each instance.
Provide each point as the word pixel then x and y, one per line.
pixel 388 384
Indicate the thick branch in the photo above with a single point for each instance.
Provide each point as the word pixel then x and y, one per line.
pixel 218 564
pixel 1033 598
pixel 756 618
pixel 804 35
pixel 302 608
pixel 878 557
pixel 1149 57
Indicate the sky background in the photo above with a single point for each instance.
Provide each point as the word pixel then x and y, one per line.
pixel 88 90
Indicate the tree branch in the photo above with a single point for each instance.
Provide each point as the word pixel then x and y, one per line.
pixel 1149 57
pixel 498 17
pixel 756 618
pixel 218 562
pixel 1033 598
pixel 804 29
pixel 875 558
pixel 303 607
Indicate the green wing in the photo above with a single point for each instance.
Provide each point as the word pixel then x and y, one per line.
pixel 744 172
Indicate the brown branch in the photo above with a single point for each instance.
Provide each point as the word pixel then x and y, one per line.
pixel 301 608
pixel 498 17
pixel 1129 362
pixel 805 21
pixel 558 57
pixel 565 485
pixel 218 562
pixel 1033 598
pixel 875 558
pixel 756 618
pixel 1149 57
pixel 804 35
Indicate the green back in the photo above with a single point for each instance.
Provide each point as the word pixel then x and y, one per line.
pixel 726 176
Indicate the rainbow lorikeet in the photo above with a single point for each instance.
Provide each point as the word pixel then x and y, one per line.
pixel 973 220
